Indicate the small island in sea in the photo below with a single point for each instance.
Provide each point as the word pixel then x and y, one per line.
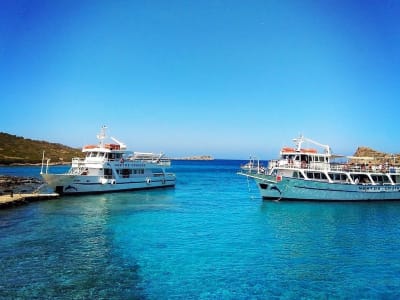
pixel 196 157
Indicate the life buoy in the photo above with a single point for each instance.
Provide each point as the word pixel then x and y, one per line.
pixel 278 178
pixel 148 180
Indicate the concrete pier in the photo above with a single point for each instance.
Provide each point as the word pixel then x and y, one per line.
pixel 19 199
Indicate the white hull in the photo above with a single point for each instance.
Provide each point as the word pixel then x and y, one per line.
pixel 77 184
pixel 111 168
pixel 313 190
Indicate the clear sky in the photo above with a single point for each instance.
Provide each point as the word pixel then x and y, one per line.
pixel 224 78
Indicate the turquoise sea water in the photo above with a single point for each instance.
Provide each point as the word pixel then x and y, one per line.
pixel 210 237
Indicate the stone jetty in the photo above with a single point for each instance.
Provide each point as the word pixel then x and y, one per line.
pixel 21 190
pixel 19 199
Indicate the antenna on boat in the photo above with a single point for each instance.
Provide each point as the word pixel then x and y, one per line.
pixel 102 135
pixel 299 141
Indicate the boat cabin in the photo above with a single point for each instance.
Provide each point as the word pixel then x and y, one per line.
pixel 303 158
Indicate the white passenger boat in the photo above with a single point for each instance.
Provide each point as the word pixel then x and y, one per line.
pixel 309 174
pixel 111 168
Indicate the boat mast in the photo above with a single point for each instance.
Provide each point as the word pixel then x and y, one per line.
pixel 102 135
pixel 41 170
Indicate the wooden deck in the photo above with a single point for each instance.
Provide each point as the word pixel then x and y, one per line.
pixel 19 199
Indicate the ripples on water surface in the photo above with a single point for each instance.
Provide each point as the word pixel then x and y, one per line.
pixel 210 237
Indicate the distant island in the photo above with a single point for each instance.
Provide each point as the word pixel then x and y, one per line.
pixel 197 157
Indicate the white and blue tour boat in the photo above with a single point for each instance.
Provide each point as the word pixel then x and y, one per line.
pixel 309 174
pixel 110 168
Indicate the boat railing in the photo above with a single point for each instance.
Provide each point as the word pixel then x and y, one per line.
pixel 365 169
pixel 153 160
pixel 333 167
pixel 252 167
pixel 297 165
pixel 160 174
pixel 79 162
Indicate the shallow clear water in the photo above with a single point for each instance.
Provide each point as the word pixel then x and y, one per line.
pixel 210 237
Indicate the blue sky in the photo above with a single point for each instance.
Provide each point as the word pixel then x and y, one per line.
pixel 224 78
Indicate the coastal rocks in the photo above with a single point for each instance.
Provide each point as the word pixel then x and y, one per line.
pixel 376 157
pixel 16 184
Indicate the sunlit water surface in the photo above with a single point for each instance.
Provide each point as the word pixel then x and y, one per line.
pixel 210 237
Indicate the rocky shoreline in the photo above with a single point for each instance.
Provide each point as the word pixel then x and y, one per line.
pixel 17 184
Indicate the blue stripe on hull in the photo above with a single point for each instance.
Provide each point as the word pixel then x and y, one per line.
pixel 302 190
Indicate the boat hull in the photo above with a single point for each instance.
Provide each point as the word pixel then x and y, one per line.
pixel 78 184
pixel 313 190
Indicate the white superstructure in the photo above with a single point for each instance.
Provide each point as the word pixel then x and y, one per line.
pixel 111 168
pixel 308 174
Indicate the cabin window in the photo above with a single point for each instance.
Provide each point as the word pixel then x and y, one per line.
pixel 338 177
pixel 297 174
pixel 380 179
pixel 125 173
pixel 385 179
pixel 107 172
pixel 263 186
pixel 316 175
pixel 360 178
pixel 305 158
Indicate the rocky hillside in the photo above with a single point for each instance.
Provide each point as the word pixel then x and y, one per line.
pixel 376 157
pixel 18 150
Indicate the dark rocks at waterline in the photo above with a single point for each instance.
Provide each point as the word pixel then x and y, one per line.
pixel 19 184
